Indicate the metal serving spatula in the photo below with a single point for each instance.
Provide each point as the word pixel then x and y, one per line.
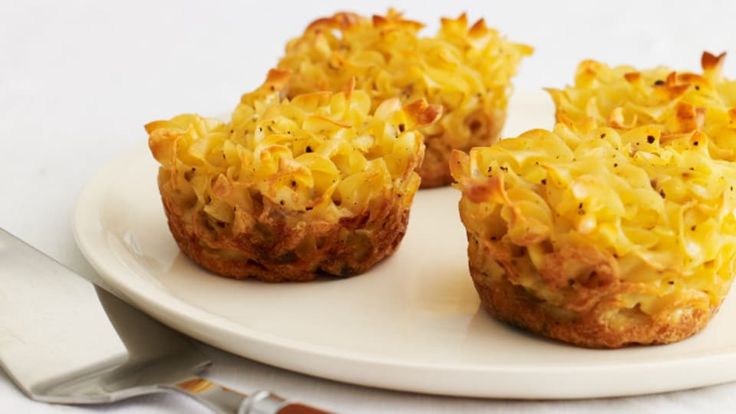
pixel 59 346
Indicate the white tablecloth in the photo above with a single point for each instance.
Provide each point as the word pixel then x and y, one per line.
pixel 78 79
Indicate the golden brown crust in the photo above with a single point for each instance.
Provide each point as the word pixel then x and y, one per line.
pixel 341 20
pixel 710 61
pixel 485 127
pixel 592 328
pixel 286 247
pixel 424 112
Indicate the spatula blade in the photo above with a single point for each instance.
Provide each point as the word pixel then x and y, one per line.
pixel 51 323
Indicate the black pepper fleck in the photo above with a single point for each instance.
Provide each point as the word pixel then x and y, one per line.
pixel 309 149
pixel 650 139
pixel 696 143
pixel 659 82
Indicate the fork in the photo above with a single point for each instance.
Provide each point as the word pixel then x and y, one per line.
pixel 58 345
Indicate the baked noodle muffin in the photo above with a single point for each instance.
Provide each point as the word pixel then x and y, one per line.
pixel 289 189
pixel 680 102
pixel 600 240
pixel 466 69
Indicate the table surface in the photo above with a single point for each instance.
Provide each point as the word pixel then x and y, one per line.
pixel 78 79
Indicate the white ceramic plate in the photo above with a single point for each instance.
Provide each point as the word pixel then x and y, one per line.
pixel 412 323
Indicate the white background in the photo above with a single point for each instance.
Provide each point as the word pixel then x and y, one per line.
pixel 78 79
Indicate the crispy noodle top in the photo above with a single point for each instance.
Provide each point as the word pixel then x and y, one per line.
pixel 660 218
pixel 322 155
pixel 465 68
pixel 679 102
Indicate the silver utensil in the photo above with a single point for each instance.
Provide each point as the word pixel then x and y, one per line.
pixel 58 345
